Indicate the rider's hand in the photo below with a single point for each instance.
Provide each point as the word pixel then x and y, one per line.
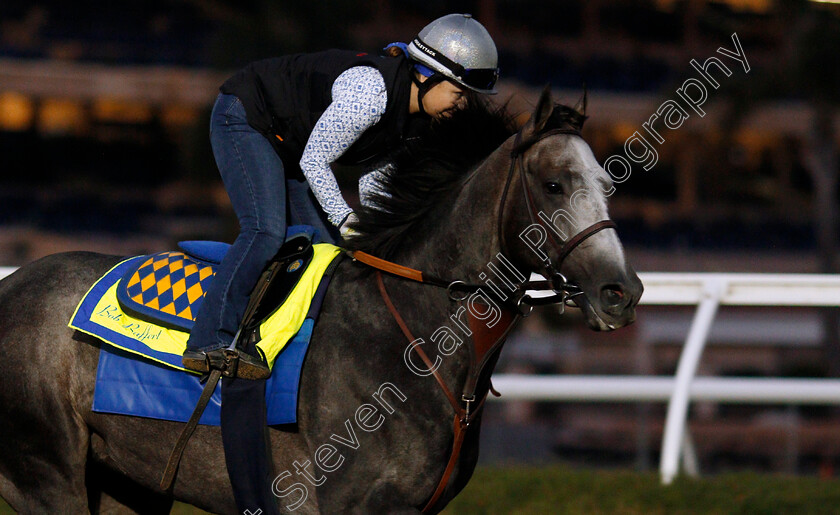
pixel 345 230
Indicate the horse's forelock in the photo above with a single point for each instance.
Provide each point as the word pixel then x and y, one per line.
pixel 565 117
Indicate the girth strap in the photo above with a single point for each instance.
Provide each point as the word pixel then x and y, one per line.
pixel 229 358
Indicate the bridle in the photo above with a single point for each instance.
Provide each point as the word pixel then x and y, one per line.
pixel 564 291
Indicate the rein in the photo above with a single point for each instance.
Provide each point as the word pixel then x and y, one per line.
pixel 486 341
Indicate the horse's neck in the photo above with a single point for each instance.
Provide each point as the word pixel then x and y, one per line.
pixel 460 242
pixel 460 236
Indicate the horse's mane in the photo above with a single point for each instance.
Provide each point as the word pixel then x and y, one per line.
pixel 427 170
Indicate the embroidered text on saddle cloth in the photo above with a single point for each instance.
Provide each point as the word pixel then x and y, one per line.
pixel 100 314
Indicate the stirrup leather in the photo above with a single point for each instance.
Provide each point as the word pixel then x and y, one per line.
pixel 230 362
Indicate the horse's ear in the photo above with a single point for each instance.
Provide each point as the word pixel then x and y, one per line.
pixel 541 114
pixel 580 107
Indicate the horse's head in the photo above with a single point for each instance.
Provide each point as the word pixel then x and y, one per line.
pixel 555 201
pixel 547 219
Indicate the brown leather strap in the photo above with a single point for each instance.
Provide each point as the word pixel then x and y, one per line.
pixel 460 422
pixel 480 404
pixel 460 430
pixel 493 390
pixel 180 445
pixel 582 235
pixel 485 338
pixel 387 266
pixel 486 343
pixel 516 157
pixel 407 332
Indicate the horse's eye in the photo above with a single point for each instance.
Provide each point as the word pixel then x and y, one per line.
pixel 553 187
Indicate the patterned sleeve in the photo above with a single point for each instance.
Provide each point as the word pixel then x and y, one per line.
pixel 359 99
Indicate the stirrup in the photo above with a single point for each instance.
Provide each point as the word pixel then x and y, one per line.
pixel 230 362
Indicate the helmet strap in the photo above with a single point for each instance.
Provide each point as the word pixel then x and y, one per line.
pixel 424 87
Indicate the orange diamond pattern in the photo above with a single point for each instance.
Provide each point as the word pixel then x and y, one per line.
pixel 170 282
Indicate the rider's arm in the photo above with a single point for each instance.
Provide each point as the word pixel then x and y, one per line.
pixel 359 99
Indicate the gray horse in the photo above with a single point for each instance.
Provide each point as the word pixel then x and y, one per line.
pixel 374 431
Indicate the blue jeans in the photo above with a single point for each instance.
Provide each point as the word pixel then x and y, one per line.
pixel 255 181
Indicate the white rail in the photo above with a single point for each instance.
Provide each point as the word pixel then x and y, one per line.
pixel 597 388
pixel 707 292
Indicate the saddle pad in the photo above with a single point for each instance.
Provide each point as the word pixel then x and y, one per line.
pixel 127 385
pixel 100 314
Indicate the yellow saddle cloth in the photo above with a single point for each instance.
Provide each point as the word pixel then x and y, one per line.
pixel 100 313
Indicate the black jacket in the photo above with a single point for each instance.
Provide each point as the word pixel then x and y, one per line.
pixel 285 97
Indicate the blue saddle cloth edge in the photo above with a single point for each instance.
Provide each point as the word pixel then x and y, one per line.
pixel 126 385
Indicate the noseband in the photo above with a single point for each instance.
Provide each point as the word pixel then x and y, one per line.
pixel 563 289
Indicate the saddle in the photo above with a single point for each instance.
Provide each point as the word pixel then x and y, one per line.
pixel 145 305
pixel 271 291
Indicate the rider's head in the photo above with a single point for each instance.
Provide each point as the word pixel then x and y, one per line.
pixel 453 53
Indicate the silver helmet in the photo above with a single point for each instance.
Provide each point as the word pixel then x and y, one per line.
pixel 460 48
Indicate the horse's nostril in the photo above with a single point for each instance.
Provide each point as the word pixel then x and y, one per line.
pixel 612 295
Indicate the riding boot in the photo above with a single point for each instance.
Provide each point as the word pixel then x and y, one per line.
pixel 246 445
